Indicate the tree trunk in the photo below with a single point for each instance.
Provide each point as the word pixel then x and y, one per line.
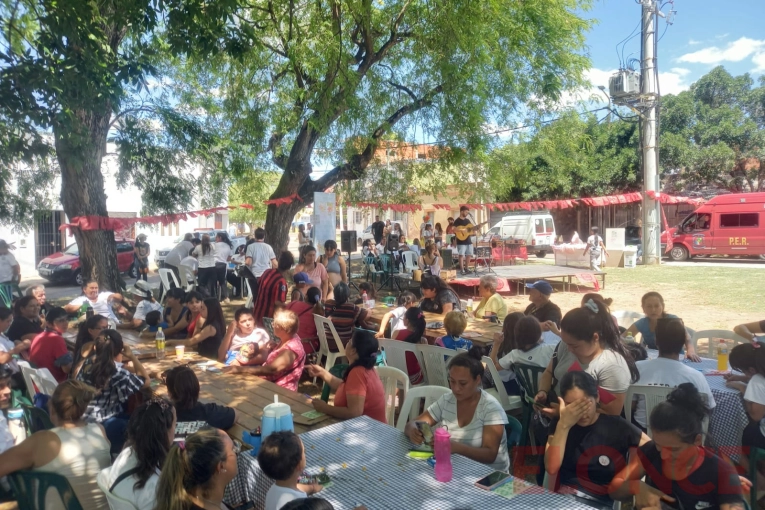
pixel 278 222
pixel 80 150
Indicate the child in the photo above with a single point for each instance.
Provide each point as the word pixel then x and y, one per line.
pixel 406 300
pixel 369 289
pixel 414 321
pixel 154 322
pixel 530 350
pixel 454 324
pixel 302 281
pixel 244 343
pixel 282 458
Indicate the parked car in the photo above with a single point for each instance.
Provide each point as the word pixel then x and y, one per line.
pixel 161 254
pixel 536 228
pixel 365 234
pixel 64 266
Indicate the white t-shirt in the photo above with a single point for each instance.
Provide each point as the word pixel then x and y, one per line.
pixel 610 369
pixel 7 262
pixel 671 374
pixel 7 345
pixel 277 497
pixel 144 498
pixel 594 243
pixel 222 253
pixel 192 263
pixel 144 307
pixel 207 260
pixel 488 412
pixel 755 392
pixel 258 336
pixel 101 305
pixel 178 253
pixel 397 321
pixel 261 254
pixel 538 356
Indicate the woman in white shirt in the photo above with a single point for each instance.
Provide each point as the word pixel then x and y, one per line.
pixel 205 254
pixel 73 448
pixel 223 252
pixel 475 419
pixel 135 472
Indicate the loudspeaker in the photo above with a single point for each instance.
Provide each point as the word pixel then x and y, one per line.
pixel 446 256
pixel 393 242
pixel 348 241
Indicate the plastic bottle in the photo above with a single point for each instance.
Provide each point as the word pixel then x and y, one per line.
pixel 470 306
pixel 629 338
pixel 364 298
pixel 89 312
pixel 16 425
pixel 722 356
pixel 442 450
pixel 160 341
pixel 83 310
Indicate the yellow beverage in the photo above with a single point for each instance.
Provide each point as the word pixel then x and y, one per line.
pixel 722 357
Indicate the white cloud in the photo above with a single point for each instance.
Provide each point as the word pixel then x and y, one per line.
pixel 735 51
pixel 693 42
pixel 673 82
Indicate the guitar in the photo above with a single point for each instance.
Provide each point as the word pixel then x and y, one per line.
pixel 463 233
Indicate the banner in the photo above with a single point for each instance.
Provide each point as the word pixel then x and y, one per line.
pixel 108 223
pixel 324 219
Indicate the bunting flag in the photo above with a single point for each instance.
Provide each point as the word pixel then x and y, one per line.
pixel 284 200
pixel 666 199
pixel 446 207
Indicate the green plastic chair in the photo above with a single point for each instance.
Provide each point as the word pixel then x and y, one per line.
pixel 337 371
pixel 755 455
pixel 528 378
pixel 370 261
pixel 514 431
pixel 31 487
pixel 36 419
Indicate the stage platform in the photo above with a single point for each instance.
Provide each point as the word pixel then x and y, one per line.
pixel 520 275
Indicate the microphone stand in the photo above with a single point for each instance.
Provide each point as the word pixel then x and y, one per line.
pixel 475 249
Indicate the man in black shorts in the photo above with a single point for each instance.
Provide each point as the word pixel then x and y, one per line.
pixel 464 248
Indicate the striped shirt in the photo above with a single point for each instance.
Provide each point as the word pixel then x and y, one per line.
pixel 111 400
pixel 344 318
pixel 272 287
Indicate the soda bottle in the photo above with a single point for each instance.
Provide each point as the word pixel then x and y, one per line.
pixel 442 450
pixel 83 310
pixel 160 341
pixel 89 311
pixel 364 298
pixel 630 339
pixel 722 356
pixel 470 306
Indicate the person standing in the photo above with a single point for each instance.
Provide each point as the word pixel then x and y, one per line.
pixel 309 233
pixel 302 237
pixel 272 288
pixel 223 252
pixel 141 252
pixel 180 252
pixel 260 257
pixel 205 254
pixel 465 246
pixel 596 247
pixel 377 229
pixel 10 271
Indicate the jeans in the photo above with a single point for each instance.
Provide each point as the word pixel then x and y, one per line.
pixel 221 268
pixel 116 431
pixel 207 280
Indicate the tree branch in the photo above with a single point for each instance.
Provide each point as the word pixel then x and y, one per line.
pixel 274 144
pixel 404 89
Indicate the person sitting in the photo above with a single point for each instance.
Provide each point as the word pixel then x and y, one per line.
pixel 455 324
pixel 653 307
pixel 176 314
pixel 529 349
pixel 750 330
pixel 475 419
pixel 116 384
pixel 48 349
pixel 360 391
pixel 305 311
pixel 196 472
pixel 285 362
pixel 282 458
pixel 504 343
pixel 302 281
pixel 135 472
pixel 438 296
pixel 101 302
pixel 244 344
pixel 183 390
pixel 368 249
pixel 491 304
pixel 26 320
pixel 666 370
pixel 369 289
pixel 590 342
pixel 8 349
pixel 207 339
pixel 73 448
pixel 145 303
pixel 637 351
pixel 580 430
pixel 193 301
pixel 405 301
pixel 414 324
pixel 87 332
pixel 6 439
pixel 678 470
pixel 345 316
pixel 38 291
pixel 541 307
pixel 749 359
pixel 430 262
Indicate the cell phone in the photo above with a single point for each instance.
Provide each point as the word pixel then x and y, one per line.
pixel 426 431
pixel 321 479
pixel 493 480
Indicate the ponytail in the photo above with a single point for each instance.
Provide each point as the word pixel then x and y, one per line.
pixel 313 297
pixel 472 360
pixel 417 321
pixel 206 244
pixel 107 346
pixel 367 347
pixel 593 317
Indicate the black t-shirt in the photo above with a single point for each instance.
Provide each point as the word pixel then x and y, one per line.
pixel 437 305
pixel 594 454
pixel 209 346
pixel 22 326
pixel 714 483
pixel 547 312
pixel 463 222
pixel 220 417
pixel 377 229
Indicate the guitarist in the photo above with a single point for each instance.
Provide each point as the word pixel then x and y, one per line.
pixel 465 247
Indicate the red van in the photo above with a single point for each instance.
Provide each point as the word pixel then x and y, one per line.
pixel 726 225
pixel 64 266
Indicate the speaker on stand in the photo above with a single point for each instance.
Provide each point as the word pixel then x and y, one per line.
pixel 348 244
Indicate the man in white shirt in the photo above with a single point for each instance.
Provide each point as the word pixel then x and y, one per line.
pixel 10 270
pixel 181 251
pixel 260 256
pixel 145 305
pixel 101 302
pixel 667 370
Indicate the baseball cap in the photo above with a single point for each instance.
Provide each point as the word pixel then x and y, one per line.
pixel 301 277
pixel 542 286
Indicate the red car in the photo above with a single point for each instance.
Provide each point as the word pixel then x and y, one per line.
pixel 64 266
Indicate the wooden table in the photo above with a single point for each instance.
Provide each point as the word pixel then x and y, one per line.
pixel 480 332
pixel 247 394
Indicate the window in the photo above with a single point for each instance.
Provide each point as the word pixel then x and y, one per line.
pixel 124 247
pixel 745 220
pixel 357 217
pixel 549 225
pixel 539 225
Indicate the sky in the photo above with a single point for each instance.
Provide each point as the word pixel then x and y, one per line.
pixel 704 34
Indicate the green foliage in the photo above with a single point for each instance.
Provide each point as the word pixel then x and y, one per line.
pixel 252 189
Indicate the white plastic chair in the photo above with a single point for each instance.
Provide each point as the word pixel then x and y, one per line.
pixel 435 359
pixel 655 395
pixel 187 277
pixel 115 502
pixel 626 318
pixel 164 276
pixel 26 369
pixel 714 335
pixel 509 402
pixel 392 379
pixel 321 332
pixel 409 411
pixel 410 260
pixel 250 296
pixel 38 380
pixel 395 356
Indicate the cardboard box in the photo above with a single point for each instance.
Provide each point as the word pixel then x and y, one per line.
pixel 449 274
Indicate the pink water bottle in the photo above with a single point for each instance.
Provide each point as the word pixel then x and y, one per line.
pixel 442 449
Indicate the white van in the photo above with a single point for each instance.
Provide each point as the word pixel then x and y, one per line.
pixel 536 228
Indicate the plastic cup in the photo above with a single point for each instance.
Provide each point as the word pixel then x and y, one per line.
pixel 179 351
pixel 370 303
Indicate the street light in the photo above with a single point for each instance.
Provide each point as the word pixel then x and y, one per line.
pixel 603 90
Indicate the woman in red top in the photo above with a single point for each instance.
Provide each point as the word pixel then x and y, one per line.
pixel 305 311
pixel 193 302
pixel 48 349
pixel 414 320
pixel 360 391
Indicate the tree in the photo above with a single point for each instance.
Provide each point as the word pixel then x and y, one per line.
pixel 253 189
pixel 326 81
